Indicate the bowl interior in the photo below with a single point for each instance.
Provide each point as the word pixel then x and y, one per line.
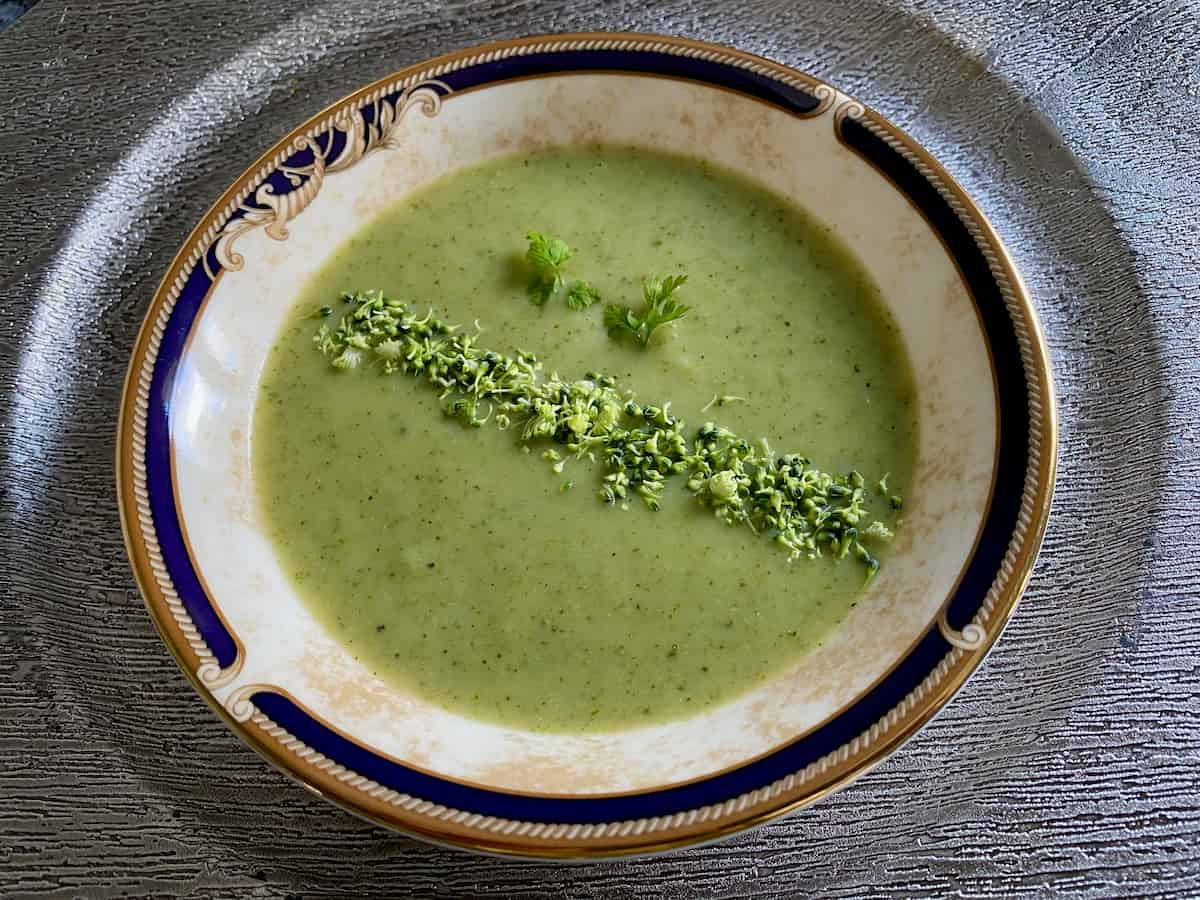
pixel 214 391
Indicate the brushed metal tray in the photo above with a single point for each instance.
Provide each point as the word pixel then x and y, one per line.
pixel 1068 762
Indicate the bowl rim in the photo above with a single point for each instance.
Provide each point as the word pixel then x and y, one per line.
pixel 548 840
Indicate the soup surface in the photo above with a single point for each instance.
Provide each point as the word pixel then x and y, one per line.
pixel 468 572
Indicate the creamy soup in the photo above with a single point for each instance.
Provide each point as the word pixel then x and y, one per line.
pixel 470 573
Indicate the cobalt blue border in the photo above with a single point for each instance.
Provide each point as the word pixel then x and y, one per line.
pixel 1011 386
pixel 792 99
pixel 929 651
pixel 159 483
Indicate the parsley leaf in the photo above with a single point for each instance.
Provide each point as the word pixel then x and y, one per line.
pixel 582 294
pixel 659 308
pixel 658 291
pixel 546 255
pixel 618 319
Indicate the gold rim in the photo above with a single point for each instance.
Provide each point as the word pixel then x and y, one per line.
pixel 262 735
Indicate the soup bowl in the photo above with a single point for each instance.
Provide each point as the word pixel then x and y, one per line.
pixel 228 611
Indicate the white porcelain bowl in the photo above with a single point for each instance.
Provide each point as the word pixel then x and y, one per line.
pixel 979 499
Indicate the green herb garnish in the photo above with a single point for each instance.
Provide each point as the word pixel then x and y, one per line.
pixel 581 295
pixel 659 308
pixel 547 256
pixel 638 447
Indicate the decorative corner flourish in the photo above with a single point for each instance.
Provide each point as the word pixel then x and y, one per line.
pixel 239 705
pixel 848 108
pixel 971 637
pixel 826 96
pixel 212 676
pixel 365 129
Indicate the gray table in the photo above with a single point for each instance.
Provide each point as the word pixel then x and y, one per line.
pixel 1068 764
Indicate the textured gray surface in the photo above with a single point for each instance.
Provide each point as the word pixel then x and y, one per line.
pixel 1068 764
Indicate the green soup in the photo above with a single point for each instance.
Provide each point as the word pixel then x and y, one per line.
pixel 457 566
